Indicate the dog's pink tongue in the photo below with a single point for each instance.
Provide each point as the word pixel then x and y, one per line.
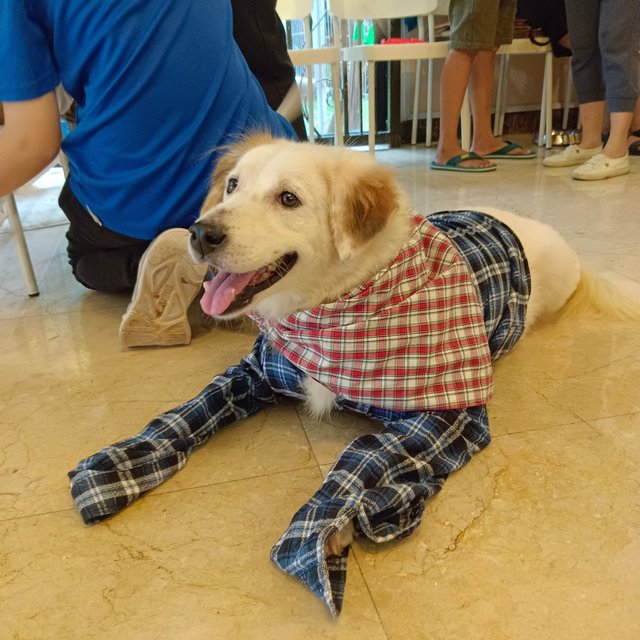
pixel 221 291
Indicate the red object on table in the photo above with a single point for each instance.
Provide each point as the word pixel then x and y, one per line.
pixel 401 41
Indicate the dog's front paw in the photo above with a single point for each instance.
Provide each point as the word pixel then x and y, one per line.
pixel 339 541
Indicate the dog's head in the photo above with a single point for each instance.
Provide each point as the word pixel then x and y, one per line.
pixel 288 225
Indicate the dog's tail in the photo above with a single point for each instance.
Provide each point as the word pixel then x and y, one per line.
pixel 607 297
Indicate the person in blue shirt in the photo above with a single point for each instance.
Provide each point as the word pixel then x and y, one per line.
pixel 159 87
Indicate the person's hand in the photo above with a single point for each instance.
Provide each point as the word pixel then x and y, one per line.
pixel 29 140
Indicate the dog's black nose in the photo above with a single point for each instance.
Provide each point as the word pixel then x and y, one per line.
pixel 206 237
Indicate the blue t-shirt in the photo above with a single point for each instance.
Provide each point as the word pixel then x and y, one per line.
pixel 159 86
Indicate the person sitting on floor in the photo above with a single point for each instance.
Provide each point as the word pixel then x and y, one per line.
pixel 154 106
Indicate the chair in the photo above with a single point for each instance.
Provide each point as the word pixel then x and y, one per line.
pixel 524 46
pixel 342 10
pixel 10 211
pixel 301 10
pixel 442 9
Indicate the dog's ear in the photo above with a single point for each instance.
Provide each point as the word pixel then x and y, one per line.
pixel 364 195
pixel 228 160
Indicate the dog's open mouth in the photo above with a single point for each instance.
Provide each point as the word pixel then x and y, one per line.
pixel 229 292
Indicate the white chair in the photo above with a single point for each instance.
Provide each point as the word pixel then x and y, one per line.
pixel 524 46
pixel 10 211
pixel 358 10
pixel 301 10
pixel 442 9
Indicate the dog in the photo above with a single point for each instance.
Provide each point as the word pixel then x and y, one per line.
pixel 288 226
pixel 363 305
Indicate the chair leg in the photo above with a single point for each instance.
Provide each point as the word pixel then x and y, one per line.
pixel 21 243
pixel 431 29
pixel 503 95
pixel 500 82
pixel 64 163
pixel 310 104
pixel 371 73
pixel 548 81
pixel 416 100
pixel 543 112
pixel 429 136
pixel 337 101
pixel 568 87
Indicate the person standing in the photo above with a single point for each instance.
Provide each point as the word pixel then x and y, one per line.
pixel 478 28
pixel 604 37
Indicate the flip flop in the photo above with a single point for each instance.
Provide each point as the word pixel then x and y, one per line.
pixel 454 164
pixel 504 153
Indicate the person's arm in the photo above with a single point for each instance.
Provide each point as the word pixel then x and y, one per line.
pixel 29 141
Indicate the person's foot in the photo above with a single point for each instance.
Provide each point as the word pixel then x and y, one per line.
pixel 571 156
pixel 168 281
pixel 601 166
pixel 444 156
pixel 503 149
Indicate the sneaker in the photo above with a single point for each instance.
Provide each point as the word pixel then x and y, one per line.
pixel 601 167
pixel 168 281
pixel 571 156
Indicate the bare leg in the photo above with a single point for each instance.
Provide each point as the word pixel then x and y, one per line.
pixel 617 145
pixel 453 84
pixel 484 142
pixel 591 114
pixel 635 126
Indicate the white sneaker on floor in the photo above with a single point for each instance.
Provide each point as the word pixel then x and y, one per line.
pixel 571 156
pixel 168 281
pixel 601 167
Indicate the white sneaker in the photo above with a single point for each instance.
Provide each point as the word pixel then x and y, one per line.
pixel 601 167
pixel 571 156
pixel 168 281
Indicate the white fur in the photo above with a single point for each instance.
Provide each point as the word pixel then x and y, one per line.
pixel 320 400
pixel 554 265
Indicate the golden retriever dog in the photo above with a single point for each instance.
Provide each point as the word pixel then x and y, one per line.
pixel 363 305
pixel 289 226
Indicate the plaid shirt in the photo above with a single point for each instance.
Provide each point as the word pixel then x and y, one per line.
pixel 413 337
pixel 380 481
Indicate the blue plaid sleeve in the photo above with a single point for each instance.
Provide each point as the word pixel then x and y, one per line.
pixel 380 482
pixel 116 476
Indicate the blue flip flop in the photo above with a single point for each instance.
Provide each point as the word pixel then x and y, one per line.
pixel 454 164
pixel 504 153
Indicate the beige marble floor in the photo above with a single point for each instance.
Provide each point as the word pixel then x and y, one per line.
pixel 537 538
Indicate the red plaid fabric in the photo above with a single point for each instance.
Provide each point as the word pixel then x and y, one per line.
pixel 412 338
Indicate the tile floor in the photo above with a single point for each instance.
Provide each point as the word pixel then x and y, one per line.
pixel 538 537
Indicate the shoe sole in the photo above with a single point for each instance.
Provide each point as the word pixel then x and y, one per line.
pixel 441 167
pixel 157 314
pixel 566 164
pixel 602 175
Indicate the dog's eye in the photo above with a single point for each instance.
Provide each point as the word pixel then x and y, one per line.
pixel 288 199
pixel 231 185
